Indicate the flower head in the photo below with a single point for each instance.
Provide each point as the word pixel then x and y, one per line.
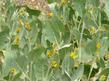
pixel 106 56
pixel 27 26
pixel 22 11
pixel 17 40
pixel 73 55
pixel 64 2
pixel 54 64
pixel 50 14
pixel 50 53
pixel 20 22
pixel 13 71
pixel 18 30
pixel 93 30
pixel 102 78
pixel 98 45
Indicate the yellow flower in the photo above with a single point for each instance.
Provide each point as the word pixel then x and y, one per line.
pixel 50 53
pixel 54 64
pixel 13 71
pixel 73 55
pixel 50 14
pixel 106 56
pixel 93 30
pixel 17 40
pixel 22 11
pixel 27 26
pixel 98 45
pixel 102 78
pixel 64 2
pixel 20 22
pixel 18 30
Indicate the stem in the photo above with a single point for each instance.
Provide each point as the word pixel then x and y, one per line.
pixel 30 69
pixel 48 72
pixel 81 36
pixel 90 73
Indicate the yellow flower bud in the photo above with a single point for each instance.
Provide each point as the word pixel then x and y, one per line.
pixel 27 26
pixel 17 40
pixel 18 30
pixel 98 45
pixel 20 22
pixel 93 30
pixel 50 14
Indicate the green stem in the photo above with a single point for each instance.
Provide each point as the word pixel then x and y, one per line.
pixel 48 72
pixel 81 36
pixel 90 72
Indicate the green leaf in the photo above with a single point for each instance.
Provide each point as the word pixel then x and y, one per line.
pixel 78 73
pixel 35 54
pixel 79 5
pixel 67 65
pixel 106 9
pixel 4 38
pixel 101 63
pixel 9 62
pixel 87 51
pixel 22 62
pixel 33 12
